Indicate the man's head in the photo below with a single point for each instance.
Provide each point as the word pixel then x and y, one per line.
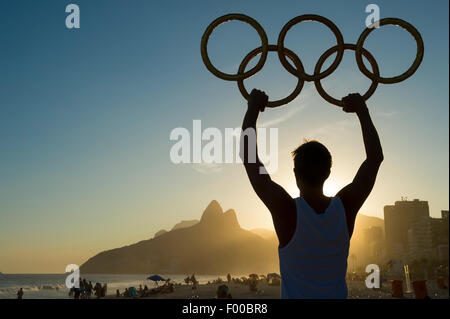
pixel 312 164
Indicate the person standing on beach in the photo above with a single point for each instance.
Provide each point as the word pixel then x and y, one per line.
pixel 313 230
pixel 83 287
pixel 76 293
pixel 20 294
pixel 97 289
pixel 194 282
pixel 89 290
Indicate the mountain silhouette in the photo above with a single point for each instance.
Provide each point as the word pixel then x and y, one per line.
pixel 160 232
pixel 214 245
pixel 182 224
pixel 185 224
pixel 265 233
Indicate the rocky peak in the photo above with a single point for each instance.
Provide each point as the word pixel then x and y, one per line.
pixel 212 213
pixel 229 219
pixel 213 216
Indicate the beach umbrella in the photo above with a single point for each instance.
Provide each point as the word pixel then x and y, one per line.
pixel 253 276
pixel 156 278
pixel 273 275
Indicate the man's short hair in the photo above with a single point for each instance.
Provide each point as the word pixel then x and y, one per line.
pixel 312 163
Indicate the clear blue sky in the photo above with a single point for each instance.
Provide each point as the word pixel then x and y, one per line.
pixel 85 116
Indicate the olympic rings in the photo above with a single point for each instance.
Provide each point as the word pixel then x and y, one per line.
pixel 292 56
pixel 324 57
pixel 328 23
pixel 298 71
pixel 219 21
pixel 419 55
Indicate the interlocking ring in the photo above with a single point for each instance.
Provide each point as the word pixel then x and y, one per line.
pixel 219 21
pixel 329 52
pixel 299 71
pixel 292 56
pixel 329 24
pixel 419 55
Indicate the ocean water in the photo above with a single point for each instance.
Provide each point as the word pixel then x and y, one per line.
pixel 48 286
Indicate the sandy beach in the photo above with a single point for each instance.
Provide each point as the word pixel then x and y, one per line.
pixel 357 290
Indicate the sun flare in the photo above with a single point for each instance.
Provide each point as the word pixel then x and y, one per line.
pixel 330 188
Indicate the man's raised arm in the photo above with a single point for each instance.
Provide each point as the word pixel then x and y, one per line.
pixel 272 194
pixel 354 194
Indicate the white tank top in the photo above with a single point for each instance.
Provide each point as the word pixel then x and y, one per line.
pixel 314 262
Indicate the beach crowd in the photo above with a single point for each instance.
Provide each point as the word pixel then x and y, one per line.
pixel 86 290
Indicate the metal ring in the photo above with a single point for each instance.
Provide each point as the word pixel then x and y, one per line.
pixel 291 55
pixel 324 57
pixel 299 73
pixel 419 56
pixel 299 70
pixel 216 23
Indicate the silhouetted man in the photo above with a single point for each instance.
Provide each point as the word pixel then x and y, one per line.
pixel 313 230
pixel 20 294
